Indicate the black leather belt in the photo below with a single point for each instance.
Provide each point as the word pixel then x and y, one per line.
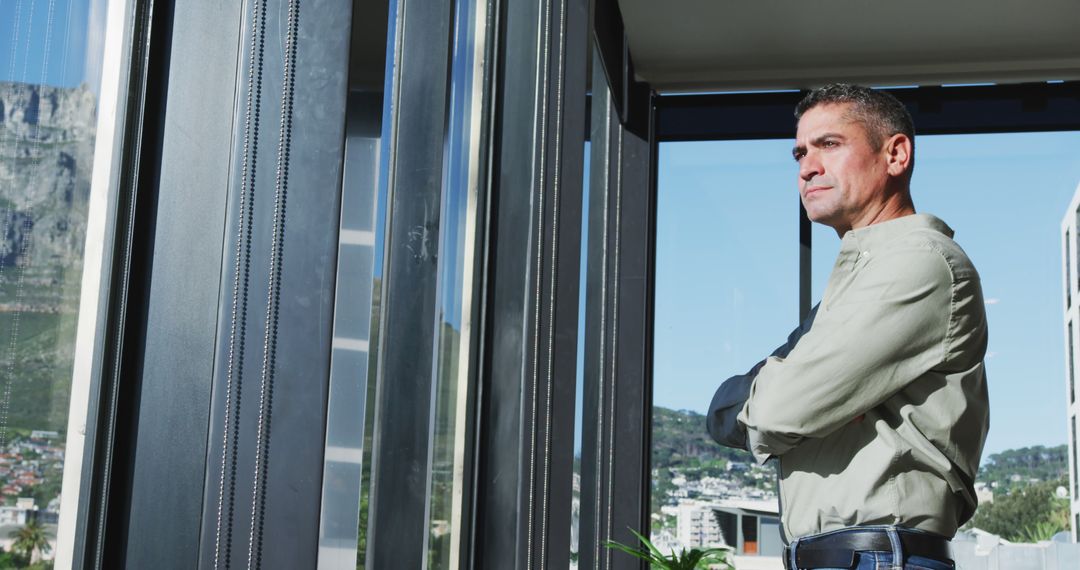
pixel 838 550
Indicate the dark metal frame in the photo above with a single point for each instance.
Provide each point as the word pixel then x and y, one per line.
pixel 265 451
pixel 1023 107
pixel 617 418
pixel 526 410
pixel 138 153
pixel 123 513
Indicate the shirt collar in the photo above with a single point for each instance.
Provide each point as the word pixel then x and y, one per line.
pixel 864 240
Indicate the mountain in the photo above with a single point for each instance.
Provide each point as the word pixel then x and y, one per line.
pixel 679 439
pixel 46 157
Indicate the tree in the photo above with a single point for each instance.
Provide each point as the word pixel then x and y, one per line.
pixel 10 560
pixel 29 539
pixel 1029 514
pixel 1023 465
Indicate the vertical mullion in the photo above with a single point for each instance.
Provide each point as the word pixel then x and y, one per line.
pixel 414 134
pixel 139 99
pixel 145 390
pixel 618 360
pixel 264 456
pixel 525 438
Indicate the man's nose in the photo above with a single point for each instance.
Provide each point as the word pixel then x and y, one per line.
pixel 809 167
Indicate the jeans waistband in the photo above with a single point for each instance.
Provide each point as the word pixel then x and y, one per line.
pixel 839 548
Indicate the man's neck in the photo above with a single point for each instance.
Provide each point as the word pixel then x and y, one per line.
pixel 896 206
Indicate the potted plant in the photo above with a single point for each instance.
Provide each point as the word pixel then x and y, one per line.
pixel 693 559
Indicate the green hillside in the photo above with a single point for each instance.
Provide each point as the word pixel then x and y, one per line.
pixel 679 439
pixel 682 447
pixel 1018 468
pixel 37 367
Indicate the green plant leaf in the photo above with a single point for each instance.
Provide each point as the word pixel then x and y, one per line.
pixel 692 559
pixel 648 544
pixel 642 554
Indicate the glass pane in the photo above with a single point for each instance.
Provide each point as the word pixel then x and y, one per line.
pixel 1068 269
pixel 722 283
pixel 355 340
pixel 1076 464
pixel 49 99
pixel 749 533
pixel 458 294
pixel 358 297
pixel 1069 342
pixel 575 508
pixel 1078 252
pixel 727 292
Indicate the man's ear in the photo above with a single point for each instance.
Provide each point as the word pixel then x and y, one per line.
pixel 898 151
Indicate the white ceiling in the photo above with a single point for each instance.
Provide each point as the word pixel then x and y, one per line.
pixel 713 45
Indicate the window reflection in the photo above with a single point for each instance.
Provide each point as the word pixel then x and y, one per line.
pixel 463 182
pixel 1068 269
pixel 579 381
pixel 48 116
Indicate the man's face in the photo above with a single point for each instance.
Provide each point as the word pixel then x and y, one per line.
pixel 841 176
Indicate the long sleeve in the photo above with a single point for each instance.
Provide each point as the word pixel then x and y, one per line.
pixel 867 342
pixel 729 399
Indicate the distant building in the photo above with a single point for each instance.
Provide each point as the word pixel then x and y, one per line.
pixel 24 511
pixel 697 527
pixel 1070 264
pixel 13 516
pixel 750 527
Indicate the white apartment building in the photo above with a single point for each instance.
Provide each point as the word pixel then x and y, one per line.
pixel 697 525
pixel 1071 300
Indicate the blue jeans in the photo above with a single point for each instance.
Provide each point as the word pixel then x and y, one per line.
pixel 882 560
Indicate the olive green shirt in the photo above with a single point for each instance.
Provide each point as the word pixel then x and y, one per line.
pixel 879 413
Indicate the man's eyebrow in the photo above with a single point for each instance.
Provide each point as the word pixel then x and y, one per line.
pixel 820 139
pixel 816 141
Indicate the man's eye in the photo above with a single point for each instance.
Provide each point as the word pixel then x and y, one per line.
pixel 828 144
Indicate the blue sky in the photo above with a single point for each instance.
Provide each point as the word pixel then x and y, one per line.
pixel 727 263
pixel 66 54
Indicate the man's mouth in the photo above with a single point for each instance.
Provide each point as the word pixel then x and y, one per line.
pixel 814 189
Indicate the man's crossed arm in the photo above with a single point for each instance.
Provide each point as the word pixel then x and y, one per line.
pixel 722 421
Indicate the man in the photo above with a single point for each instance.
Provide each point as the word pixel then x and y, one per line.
pixel 876 407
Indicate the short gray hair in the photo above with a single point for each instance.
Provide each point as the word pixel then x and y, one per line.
pixel 882 114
